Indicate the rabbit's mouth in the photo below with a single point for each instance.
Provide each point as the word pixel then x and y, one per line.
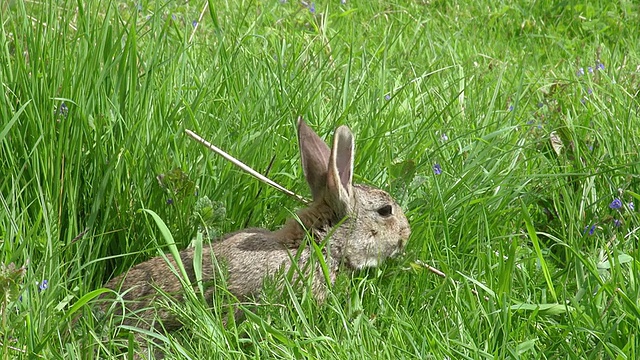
pixel 396 252
pixel 368 263
pixel 375 260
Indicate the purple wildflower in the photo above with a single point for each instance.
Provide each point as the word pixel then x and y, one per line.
pixel 312 8
pixel 590 69
pixel 44 285
pixel 580 72
pixel 194 23
pixel 444 137
pixel 599 66
pixel 591 229
pixel 617 222
pixel 387 97
pixel 510 108
pixel 615 204
pixel 63 109
pixel 631 206
pixel 169 201
pixel 437 169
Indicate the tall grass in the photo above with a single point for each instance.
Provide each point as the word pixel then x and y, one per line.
pixel 529 108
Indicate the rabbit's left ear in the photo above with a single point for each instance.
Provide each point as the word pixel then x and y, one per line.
pixel 340 172
pixel 314 154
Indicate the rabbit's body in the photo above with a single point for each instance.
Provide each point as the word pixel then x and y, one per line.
pixel 245 258
pixel 361 225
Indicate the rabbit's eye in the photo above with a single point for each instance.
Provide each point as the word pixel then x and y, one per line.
pixel 385 211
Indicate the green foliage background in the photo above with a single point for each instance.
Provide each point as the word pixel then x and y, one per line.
pixel 529 107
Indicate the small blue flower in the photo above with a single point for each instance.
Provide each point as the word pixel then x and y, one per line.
pixel 173 17
pixel 589 91
pixel 583 101
pixel 444 137
pixel 343 2
pixel 591 229
pixel 540 104
pixel 615 204
pixel 387 97
pixel 599 66
pixel 590 69
pixel 437 169
pixel 312 8
pixel 194 23
pixel 631 206
pixel 63 109
pixel 617 222
pixel 580 72
pixel 44 285
pixel 510 108
pixel 169 201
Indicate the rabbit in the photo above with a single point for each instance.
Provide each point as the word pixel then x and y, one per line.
pixel 362 225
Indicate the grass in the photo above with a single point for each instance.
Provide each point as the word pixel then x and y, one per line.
pixel 530 109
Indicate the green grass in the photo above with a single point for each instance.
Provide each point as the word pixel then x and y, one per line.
pixel 97 94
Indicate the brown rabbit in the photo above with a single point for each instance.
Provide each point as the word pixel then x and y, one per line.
pixel 364 226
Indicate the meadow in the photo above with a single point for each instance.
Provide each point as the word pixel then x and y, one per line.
pixel 507 130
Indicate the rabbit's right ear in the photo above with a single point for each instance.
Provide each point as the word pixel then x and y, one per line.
pixel 340 171
pixel 314 154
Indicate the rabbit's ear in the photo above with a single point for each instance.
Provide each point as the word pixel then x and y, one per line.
pixel 340 172
pixel 314 154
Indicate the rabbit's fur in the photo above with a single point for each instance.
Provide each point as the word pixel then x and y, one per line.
pixel 364 226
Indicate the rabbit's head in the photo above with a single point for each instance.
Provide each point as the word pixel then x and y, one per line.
pixel 365 224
